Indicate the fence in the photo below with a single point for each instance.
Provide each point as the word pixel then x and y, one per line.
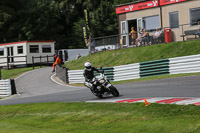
pixel 43 60
pixel 178 33
pixel 178 65
pixel 11 61
pixel 105 43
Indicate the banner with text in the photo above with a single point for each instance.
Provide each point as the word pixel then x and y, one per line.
pixel 145 5
pixel 167 2
pixel 137 6
pixel 85 35
pixel 87 19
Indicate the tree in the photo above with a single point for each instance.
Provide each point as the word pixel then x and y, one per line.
pixel 59 20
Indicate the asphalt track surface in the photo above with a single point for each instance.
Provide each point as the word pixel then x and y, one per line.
pixel 37 86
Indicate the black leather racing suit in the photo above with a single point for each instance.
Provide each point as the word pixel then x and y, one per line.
pixel 89 74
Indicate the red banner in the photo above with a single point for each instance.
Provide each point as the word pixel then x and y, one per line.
pixel 166 2
pixel 137 6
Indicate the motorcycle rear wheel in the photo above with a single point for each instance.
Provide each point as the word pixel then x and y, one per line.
pixel 114 91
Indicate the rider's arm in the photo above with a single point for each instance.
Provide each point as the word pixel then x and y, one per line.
pixel 95 69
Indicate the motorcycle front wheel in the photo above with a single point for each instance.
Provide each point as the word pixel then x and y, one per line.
pixel 97 94
pixel 114 91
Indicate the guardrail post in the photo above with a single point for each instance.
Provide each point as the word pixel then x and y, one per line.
pixel 26 60
pixel 13 87
pixel 7 62
pixel 33 62
pixel 47 60
pixel 0 72
pixel 40 61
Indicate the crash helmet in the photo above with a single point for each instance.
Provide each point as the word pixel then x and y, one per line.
pixel 88 65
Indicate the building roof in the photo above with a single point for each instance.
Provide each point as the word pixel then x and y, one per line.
pixel 25 42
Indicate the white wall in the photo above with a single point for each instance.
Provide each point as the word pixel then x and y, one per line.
pixel 26 51
pixel 15 52
pixel 30 55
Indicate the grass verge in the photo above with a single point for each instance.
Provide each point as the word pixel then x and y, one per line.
pixel 99 118
pixel 13 73
pixel 138 54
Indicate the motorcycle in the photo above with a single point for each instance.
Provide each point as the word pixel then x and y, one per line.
pixel 100 85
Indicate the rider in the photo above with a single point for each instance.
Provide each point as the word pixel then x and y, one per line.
pixel 89 73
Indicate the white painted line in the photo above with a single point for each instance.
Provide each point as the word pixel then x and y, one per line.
pixel 106 100
pixel 61 83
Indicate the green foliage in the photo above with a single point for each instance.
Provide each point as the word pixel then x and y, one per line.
pixel 58 20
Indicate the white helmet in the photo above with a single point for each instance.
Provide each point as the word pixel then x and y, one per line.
pixel 87 65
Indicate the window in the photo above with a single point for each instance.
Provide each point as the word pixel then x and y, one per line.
pixel 173 20
pixel 46 48
pixel 34 49
pixel 194 16
pixel 151 22
pixel 124 27
pixel 20 49
pixel 1 51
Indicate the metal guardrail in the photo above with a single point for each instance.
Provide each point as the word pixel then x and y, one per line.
pixel 126 72
pixel 5 88
pixel 178 65
pixel 156 67
pixel 76 76
pixel 185 64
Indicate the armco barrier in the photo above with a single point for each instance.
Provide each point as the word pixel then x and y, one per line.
pixel 185 64
pixel 126 72
pixel 5 88
pixel 109 73
pixel 152 68
pixel 76 76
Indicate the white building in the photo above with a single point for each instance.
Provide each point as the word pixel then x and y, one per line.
pixel 20 53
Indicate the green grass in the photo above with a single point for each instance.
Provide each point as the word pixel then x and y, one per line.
pixel 13 73
pixel 99 118
pixel 138 54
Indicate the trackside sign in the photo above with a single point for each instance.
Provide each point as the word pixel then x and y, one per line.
pixel 137 6
pixel 167 2
pixel 145 5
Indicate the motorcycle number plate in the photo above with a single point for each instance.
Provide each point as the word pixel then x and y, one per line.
pixel 108 85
